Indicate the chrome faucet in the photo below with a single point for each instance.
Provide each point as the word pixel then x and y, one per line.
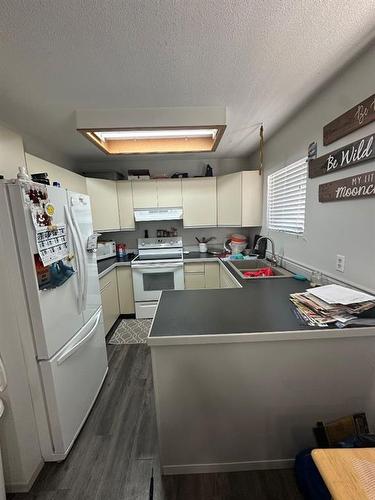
pixel 273 258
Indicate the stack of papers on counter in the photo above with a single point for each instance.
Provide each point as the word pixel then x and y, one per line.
pixel 333 304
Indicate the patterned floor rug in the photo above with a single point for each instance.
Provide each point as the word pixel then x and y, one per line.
pixel 131 331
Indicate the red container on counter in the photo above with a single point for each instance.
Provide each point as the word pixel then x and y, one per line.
pixel 121 250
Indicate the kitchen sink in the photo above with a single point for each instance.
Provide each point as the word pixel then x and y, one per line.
pixel 242 266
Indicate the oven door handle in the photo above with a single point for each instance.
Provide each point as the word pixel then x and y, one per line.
pixel 157 266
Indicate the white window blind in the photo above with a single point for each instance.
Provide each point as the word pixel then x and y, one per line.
pixel 286 198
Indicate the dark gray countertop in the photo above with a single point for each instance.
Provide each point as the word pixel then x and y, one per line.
pixel 262 306
pixel 199 255
pixel 105 264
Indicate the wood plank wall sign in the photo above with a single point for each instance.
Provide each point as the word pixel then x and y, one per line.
pixel 357 117
pixel 348 156
pixel 350 188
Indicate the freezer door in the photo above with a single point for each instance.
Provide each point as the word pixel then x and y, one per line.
pixel 80 210
pixel 55 314
pixel 72 380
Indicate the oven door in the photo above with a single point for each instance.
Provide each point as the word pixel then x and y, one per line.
pixel 149 279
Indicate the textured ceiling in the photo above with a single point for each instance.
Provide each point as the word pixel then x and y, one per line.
pixel 261 59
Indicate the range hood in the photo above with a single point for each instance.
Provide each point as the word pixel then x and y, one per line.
pixel 149 214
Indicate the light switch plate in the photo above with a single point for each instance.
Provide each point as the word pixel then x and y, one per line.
pixel 340 263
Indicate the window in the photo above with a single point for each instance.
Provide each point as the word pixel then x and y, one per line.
pixel 286 198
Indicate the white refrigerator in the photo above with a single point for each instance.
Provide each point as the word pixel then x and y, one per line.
pixel 66 360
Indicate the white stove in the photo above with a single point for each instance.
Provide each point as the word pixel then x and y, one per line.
pixel 157 267
pixel 159 249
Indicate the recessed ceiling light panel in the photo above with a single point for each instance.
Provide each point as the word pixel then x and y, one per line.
pixel 175 138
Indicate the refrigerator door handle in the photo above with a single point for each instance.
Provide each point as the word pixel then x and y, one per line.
pixel 84 258
pixel 3 377
pixel 77 248
pixel 71 350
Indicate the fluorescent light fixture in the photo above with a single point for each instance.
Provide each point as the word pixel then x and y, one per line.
pixel 130 135
pixel 156 140
pixel 153 130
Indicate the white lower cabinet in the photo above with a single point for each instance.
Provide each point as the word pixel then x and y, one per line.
pixel 110 299
pixel 212 274
pixel 226 278
pixel 202 275
pixel 125 290
pixel 194 281
pixel 194 275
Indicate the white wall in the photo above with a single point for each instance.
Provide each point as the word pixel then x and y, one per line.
pixel 188 235
pixel 67 178
pixel 12 154
pixel 345 227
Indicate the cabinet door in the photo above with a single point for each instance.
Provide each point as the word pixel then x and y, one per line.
pixel 125 204
pixel 229 199
pixel 110 304
pixel 125 289
pixel 194 281
pixel 226 280
pixel 144 194
pixel 104 204
pixel 212 274
pixel 199 202
pixel 194 267
pixel 169 192
pixel 251 198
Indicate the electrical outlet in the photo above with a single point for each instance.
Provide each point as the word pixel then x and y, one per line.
pixel 340 263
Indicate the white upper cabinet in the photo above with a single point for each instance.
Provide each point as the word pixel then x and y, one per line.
pixel 104 204
pixel 239 199
pixel 251 198
pixel 157 193
pixel 145 194
pixel 125 205
pixel 169 192
pixel 199 202
pixel 229 202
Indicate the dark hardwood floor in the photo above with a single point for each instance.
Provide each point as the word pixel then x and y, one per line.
pixel 116 453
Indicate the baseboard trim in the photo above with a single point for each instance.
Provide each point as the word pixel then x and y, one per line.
pixel 127 316
pixel 113 328
pixel 169 470
pixel 24 487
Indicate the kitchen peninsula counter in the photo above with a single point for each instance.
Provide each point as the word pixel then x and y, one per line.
pixel 240 382
pixel 261 310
